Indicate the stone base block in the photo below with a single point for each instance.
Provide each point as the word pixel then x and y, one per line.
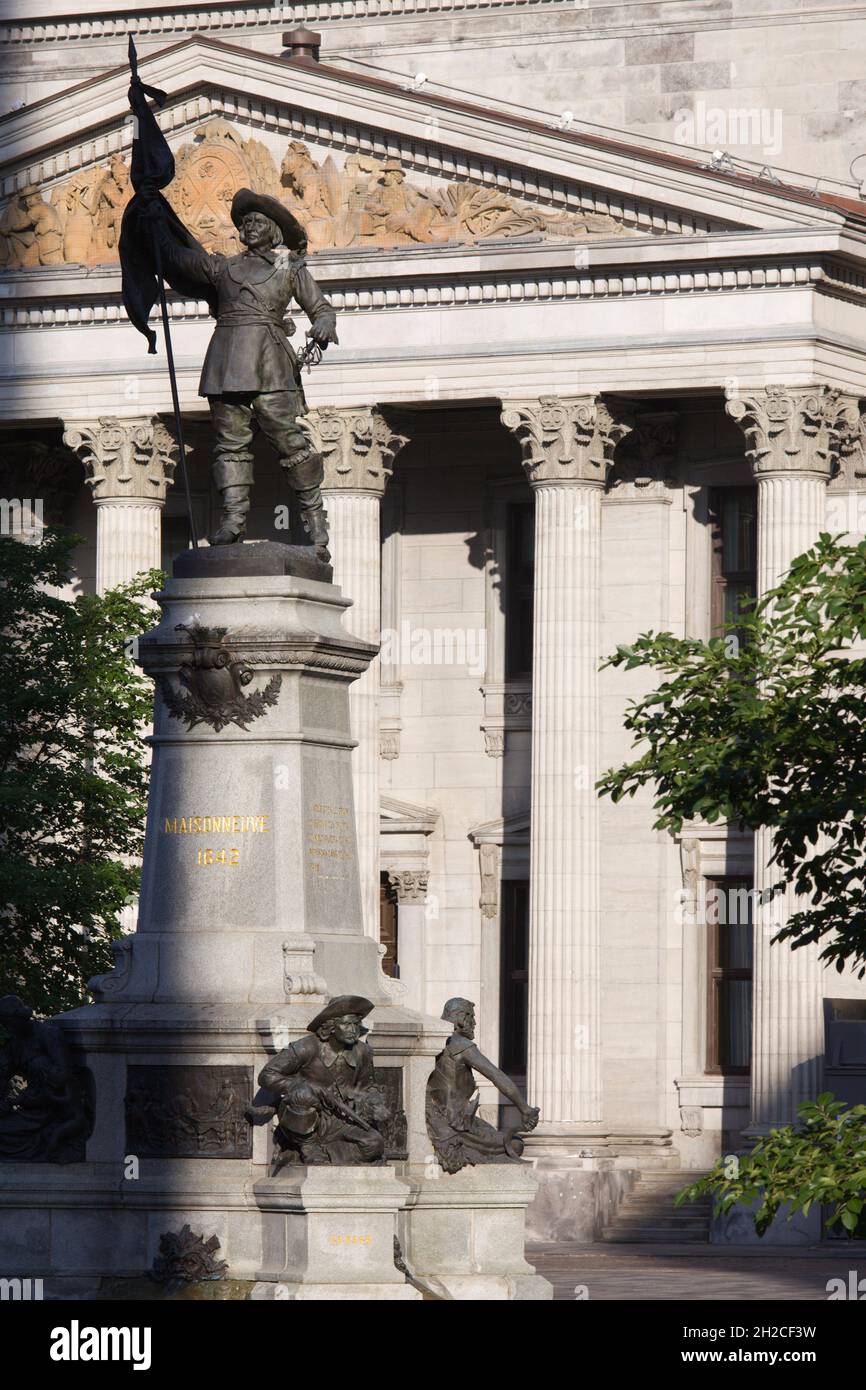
pixel 339 1293
pixel 574 1198
pixel 331 1227
pixel 463 1234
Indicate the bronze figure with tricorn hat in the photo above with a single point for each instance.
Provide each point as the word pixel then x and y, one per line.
pixel 324 1095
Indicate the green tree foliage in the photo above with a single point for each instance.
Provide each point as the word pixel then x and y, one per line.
pixel 821 1161
pixel 766 726
pixel 73 780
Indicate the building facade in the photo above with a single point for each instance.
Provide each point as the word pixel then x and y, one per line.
pixel 590 382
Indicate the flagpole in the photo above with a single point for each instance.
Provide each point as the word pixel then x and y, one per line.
pixel 157 257
pixel 173 379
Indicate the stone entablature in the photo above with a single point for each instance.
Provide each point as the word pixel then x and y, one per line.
pixel 535 274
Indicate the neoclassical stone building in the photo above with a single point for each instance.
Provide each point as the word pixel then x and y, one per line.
pixel 587 385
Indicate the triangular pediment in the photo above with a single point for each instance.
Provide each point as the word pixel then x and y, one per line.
pixel 504 830
pixel 365 163
pixel 403 817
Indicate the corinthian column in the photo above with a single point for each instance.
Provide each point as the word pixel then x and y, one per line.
pixel 794 439
pixel 359 448
pixel 129 466
pixel 566 446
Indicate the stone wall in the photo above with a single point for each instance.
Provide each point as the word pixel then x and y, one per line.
pixel 700 73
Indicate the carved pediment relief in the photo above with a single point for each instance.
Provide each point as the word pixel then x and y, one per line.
pixel 366 202
pixel 208 173
pixel 372 202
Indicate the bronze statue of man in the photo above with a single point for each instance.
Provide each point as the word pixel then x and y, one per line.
pixel 45 1110
pixel 251 376
pixel 328 1108
pixel 458 1134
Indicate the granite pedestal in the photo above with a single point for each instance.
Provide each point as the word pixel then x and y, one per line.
pixel 249 920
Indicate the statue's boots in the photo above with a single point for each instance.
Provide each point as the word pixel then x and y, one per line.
pixel 315 520
pixel 233 522
pixel 305 470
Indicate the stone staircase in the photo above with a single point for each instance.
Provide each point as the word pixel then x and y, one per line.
pixel 647 1213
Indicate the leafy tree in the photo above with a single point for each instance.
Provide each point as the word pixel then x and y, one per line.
pixel 72 776
pixel 822 1161
pixel 766 726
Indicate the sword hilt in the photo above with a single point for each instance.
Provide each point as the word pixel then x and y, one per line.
pixel 310 355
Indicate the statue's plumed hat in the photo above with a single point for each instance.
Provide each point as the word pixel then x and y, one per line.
pixel 245 200
pixel 339 1007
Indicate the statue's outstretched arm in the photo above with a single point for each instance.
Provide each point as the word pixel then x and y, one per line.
pixel 478 1062
pixel 195 265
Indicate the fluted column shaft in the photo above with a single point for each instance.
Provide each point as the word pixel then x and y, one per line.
pixel 353 520
pixel 787 1009
pixel 358 447
pixel 566 445
pixel 128 539
pixel 564 985
pixel 795 437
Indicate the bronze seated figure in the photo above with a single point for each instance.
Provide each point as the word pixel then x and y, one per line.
pixel 459 1135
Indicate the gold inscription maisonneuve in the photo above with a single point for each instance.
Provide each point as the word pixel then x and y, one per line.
pixel 215 825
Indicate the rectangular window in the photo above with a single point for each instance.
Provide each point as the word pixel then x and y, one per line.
pixel 519 584
pixel 388 926
pixel 729 960
pixel 514 992
pixel 734 519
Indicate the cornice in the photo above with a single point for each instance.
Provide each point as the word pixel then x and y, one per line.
pixel 148 21
pixel 385 283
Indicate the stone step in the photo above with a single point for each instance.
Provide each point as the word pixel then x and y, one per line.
pixel 657 1235
pixel 675 1181
pixel 648 1214
pixel 683 1223
pixel 659 1216
pixel 661 1204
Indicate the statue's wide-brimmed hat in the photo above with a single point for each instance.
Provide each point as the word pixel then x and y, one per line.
pixel 338 1008
pixel 245 200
